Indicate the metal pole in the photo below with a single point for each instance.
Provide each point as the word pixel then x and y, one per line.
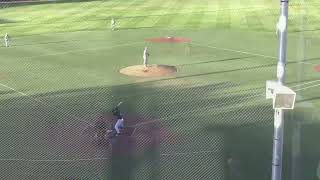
pixel 277 145
pixel 279 116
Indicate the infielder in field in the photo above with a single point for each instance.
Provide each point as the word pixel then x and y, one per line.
pixel 6 40
pixel 145 57
pixel 113 24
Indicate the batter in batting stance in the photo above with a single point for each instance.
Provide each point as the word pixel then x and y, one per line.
pixel 120 121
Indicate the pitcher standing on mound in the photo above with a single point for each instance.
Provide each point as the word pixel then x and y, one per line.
pixel 145 57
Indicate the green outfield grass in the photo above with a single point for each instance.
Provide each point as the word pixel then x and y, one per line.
pixel 65 16
pixel 62 71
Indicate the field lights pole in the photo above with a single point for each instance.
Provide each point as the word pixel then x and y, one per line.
pixel 279 113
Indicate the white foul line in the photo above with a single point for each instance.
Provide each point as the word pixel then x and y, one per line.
pixel 238 51
pixel 246 52
pixel 308 87
pixel 89 49
pixel 37 100
pixel 310 82
pixel 21 93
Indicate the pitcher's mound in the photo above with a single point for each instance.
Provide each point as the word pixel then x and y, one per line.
pixel 150 71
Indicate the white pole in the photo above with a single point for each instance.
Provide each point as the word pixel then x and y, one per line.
pixel 279 114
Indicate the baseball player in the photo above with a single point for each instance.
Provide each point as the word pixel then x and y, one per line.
pixel 7 40
pixel 113 24
pixel 120 121
pixel 145 57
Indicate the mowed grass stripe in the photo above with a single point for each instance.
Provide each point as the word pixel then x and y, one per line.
pixel 85 13
pixel 77 13
pixel 162 12
pixel 252 19
pixel 97 11
pixel 32 17
pixel 140 13
pixel 265 19
pixel 46 22
pixel 166 18
pixel 91 15
pixel 43 13
pixel 154 11
pixel 106 10
pixel 26 30
pixel 196 16
pixel 112 5
pixel 96 14
pixel 270 18
pixel 223 16
pixel 125 15
pixel 237 18
pixel 80 22
pixel 209 17
pixel 28 16
pixel 211 13
pixel 313 18
pixel 183 15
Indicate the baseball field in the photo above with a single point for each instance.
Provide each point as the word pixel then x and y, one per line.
pixel 62 72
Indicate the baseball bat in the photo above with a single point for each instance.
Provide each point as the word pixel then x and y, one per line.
pixel 119 104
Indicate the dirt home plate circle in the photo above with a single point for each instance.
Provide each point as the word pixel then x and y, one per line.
pixel 153 70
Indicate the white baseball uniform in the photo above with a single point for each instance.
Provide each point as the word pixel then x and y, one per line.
pixel 145 57
pixel 113 24
pixel 7 40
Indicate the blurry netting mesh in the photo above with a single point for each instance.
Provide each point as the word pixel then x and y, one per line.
pixel 181 131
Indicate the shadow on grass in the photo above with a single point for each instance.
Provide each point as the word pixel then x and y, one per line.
pixel 17 3
pixel 6 21
pixel 249 145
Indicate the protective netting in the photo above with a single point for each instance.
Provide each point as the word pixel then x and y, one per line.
pixel 209 121
pixel 171 140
